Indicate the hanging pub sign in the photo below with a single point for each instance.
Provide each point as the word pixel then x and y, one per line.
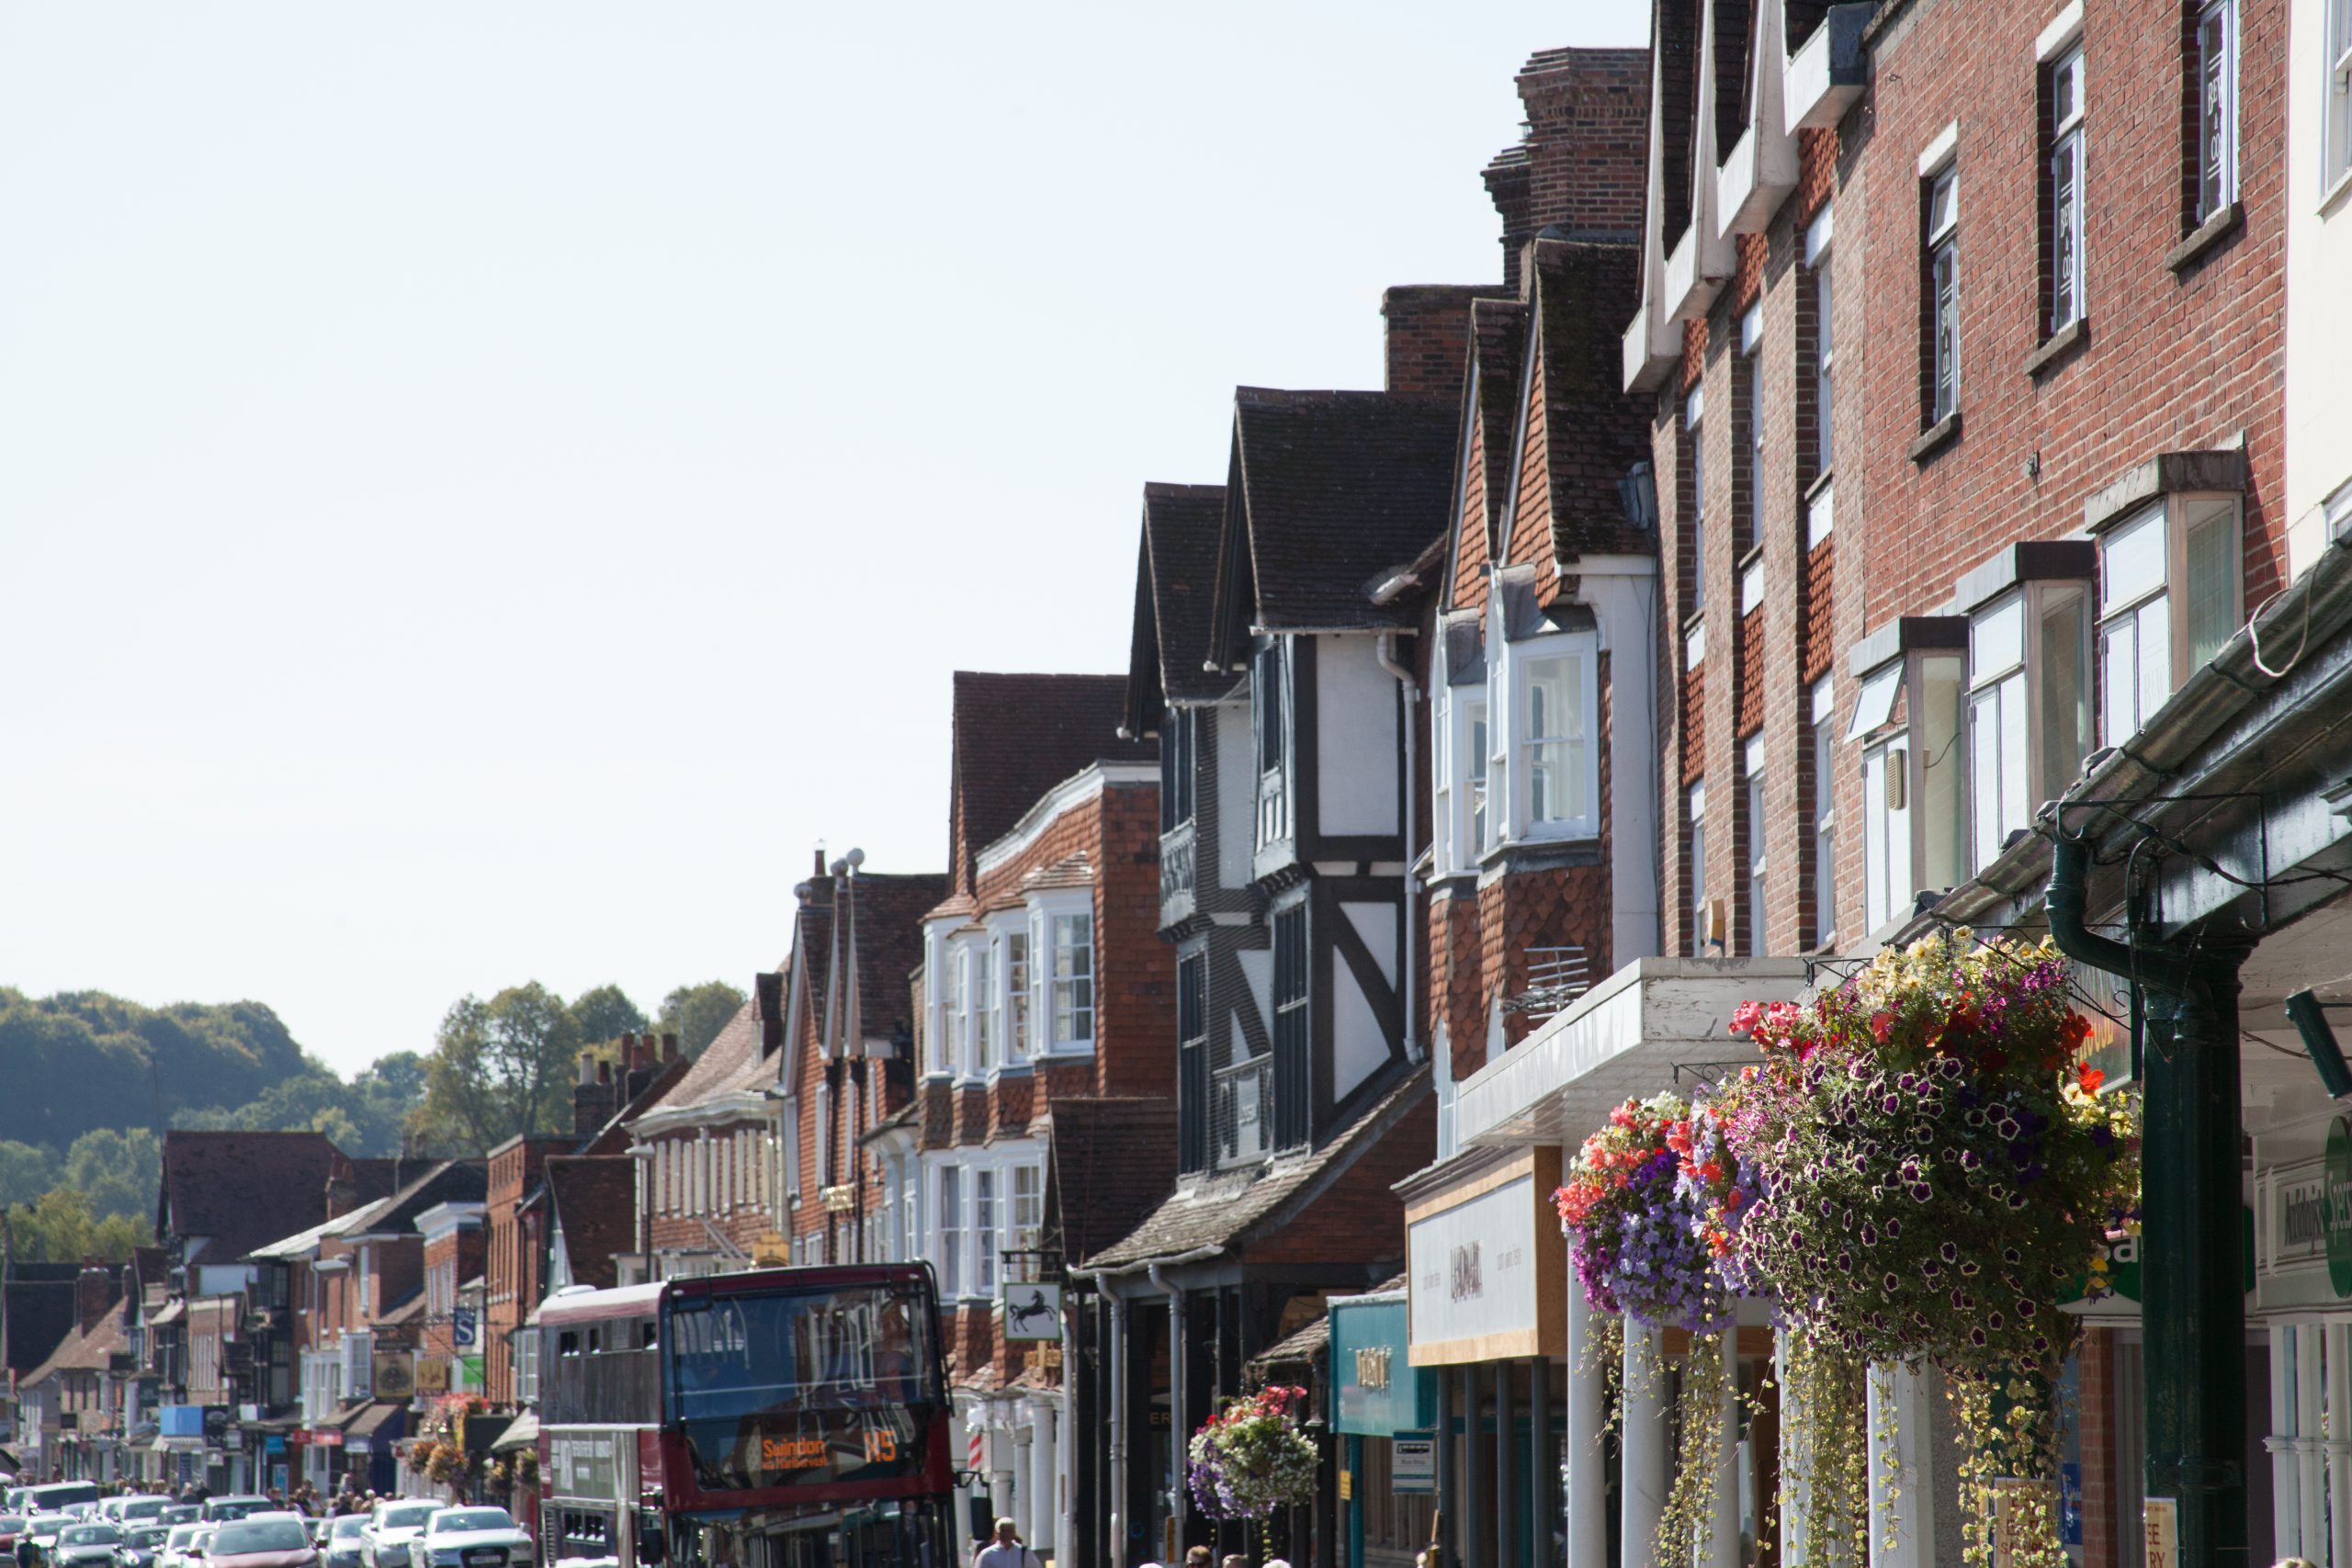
pixel 1033 1313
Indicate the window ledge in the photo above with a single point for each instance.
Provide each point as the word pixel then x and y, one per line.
pixel 2058 345
pixel 2209 236
pixel 1748 558
pixel 2336 194
pixel 1820 482
pixel 1935 437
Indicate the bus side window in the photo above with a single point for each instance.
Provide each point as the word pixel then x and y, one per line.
pixel 569 1344
pixel 649 1335
pixel 595 1340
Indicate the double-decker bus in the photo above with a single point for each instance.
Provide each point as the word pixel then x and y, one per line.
pixel 780 1418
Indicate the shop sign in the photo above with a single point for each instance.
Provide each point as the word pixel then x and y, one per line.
pixel 1413 1462
pixel 1487 1265
pixel 587 1465
pixel 216 1426
pixel 1032 1312
pixel 2336 1214
pixel 1376 1390
pixel 431 1375
pixel 2020 1509
pixel 2160 1529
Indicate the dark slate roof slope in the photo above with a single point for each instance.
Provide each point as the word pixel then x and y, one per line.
pixel 242 1190
pixel 1595 432
pixel 1329 490
pixel 881 918
pixel 1014 737
pixel 595 1203
pixel 1175 592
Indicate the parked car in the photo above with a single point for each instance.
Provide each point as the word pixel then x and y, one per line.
pixel 11 1527
pixel 52 1497
pixel 273 1539
pixel 139 1545
pixel 219 1510
pixel 83 1545
pixel 44 1530
pixel 340 1541
pixel 136 1508
pixel 390 1541
pixel 474 1538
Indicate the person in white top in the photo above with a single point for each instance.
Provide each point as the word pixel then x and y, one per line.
pixel 1005 1551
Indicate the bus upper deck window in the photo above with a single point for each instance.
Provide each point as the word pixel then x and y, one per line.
pixel 569 1343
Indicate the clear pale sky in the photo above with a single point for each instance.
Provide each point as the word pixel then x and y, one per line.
pixel 484 488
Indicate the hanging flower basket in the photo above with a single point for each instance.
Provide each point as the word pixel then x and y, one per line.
pixel 1931 1175
pixel 1251 1459
pixel 1641 1233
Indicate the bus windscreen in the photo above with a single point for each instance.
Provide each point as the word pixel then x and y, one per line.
pixel 800 1388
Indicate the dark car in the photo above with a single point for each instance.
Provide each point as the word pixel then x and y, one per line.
pixel 139 1545
pixel 261 1541
pixel 85 1546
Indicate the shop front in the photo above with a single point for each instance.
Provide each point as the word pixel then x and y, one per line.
pixel 1384 1411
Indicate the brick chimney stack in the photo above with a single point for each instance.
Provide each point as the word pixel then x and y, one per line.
pixel 94 1293
pixel 1582 163
pixel 343 1188
pixel 1428 328
pixel 594 1098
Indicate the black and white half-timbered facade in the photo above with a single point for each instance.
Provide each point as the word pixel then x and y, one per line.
pixel 1276 677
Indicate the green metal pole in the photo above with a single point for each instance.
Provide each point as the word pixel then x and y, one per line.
pixel 1355 1501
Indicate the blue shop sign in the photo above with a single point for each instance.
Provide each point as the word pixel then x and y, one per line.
pixel 1377 1392
pixel 180 1420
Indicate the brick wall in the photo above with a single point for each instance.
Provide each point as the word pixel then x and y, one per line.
pixel 1583 161
pixel 1427 329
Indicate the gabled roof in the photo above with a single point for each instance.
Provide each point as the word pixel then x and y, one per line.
pixel 876 940
pixel 241 1189
pixel 595 1202
pixel 1014 737
pixel 731 1065
pixel 1326 493
pixel 87 1352
pixel 1175 590
pixel 431 1182
pixel 1594 431
pixel 1229 1211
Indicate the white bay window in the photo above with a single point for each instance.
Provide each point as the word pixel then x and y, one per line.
pixel 2169 597
pixel 1907 720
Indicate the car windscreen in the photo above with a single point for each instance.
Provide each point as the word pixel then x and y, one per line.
pixel 91 1535
pixel 346 1525
pixel 259 1535
pixel 181 1535
pixel 409 1515
pixel 451 1522
pixel 11 1523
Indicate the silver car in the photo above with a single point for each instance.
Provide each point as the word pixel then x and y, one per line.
pixel 390 1539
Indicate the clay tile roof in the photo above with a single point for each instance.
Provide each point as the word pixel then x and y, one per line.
pixel 241 1189
pixel 80 1352
pixel 1114 1161
pixel 595 1202
pixel 1308 1345
pixel 1327 493
pixel 732 1063
pixel 1499 342
pixel 1225 1211
pixel 881 917
pixel 1175 592
pixel 1015 737
pixel 1594 431
pixel 1072 871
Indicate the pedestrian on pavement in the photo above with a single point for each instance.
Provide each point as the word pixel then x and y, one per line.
pixel 1196 1557
pixel 1006 1551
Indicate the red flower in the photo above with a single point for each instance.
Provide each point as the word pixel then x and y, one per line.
pixel 1743 1018
pixel 2090 1077
pixel 1882 1025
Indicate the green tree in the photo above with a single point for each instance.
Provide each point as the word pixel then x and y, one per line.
pixel 25 1173
pixel 698 1012
pixel 498 1068
pixel 607 1013
pixel 118 1172
pixel 60 1228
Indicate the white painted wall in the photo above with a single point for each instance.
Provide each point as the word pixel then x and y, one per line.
pixel 1357 743
pixel 2319 305
pixel 1237 794
pixel 1624 593
pixel 1359 1045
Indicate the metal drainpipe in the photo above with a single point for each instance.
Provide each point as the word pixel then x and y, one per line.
pixel 1412 692
pixel 2192 1310
pixel 1117 1499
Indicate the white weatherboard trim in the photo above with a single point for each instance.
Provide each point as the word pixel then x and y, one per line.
pixel 1939 151
pixel 2062 30
pixel 1817 235
pixel 1075 790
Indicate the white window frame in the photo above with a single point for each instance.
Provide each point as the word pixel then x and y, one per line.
pixel 1053 984
pixel 987 1233
pixel 1822 741
pixel 1914 778
pixel 1579 750
pixel 2215 43
pixel 1820 258
pixel 2336 99
pixel 1026 1209
pixel 1459 771
pixel 1695 847
pixel 2068 170
pixel 1018 1015
pixel 1751 351
pixel 2028 706
pixel 986 1012
pixel 2195 534
pixel 1695 437
pixel 1943 291
pixel 1758 910
pixel 1272 740
pixel 948 1247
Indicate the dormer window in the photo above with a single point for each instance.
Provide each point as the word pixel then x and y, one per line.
pixel 1176 760
pixel 1558 697
pixel 1463 745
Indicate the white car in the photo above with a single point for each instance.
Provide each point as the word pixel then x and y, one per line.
pixel 393 1531
pixel 474 1538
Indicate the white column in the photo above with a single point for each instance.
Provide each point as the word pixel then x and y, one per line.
pixel 1901 1397
pixel 2339 1450
pixel 1644 1438
pixel 1796 1499
pixel 1045 1499
pixel 1722 1538
pixel 2311 1460
pixel 1023 1467
pixel 1584 1491
pixel 2286 1475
